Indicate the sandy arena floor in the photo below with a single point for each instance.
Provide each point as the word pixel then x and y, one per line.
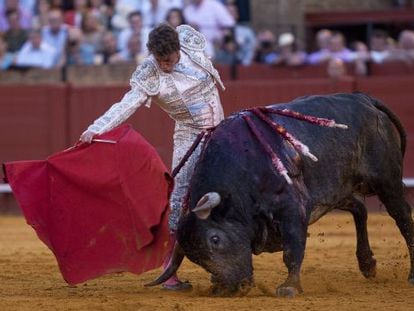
pixel 30 280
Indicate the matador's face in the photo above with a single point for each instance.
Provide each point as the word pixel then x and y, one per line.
pixel 168 62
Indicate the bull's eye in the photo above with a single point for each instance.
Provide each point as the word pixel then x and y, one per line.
pixel 215 240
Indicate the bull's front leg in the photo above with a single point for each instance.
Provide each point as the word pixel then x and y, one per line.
pixel 293 231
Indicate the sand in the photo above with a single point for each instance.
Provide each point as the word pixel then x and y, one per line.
pixel 30 279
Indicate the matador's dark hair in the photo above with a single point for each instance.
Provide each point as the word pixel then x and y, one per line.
pixel 163 40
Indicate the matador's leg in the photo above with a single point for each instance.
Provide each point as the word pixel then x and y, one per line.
pixel 183 140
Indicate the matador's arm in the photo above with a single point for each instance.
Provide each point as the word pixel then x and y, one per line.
pixel 144 84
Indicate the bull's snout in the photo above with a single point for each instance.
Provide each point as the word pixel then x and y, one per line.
pixel 239 289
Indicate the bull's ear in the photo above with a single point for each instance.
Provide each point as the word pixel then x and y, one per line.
pixel 206 204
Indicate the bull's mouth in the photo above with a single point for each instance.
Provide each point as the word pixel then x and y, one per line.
pixel 226 290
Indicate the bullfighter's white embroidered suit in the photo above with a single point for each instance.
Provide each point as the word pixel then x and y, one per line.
pixel 188 94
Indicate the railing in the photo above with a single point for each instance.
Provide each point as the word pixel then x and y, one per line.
pixel 37 120
pixel 5 188
pixel 409 182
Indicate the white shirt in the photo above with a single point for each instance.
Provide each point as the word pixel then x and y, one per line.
pixel 210 17
pixel 58 40
pixel 133 5
pixel 152 18
pixel 379 57
pixel 246 39
pixel 43 57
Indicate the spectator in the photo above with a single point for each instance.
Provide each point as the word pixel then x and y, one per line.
pixel 15 36
pixel 36 53
pixel 266 48
pixel 228 51
pixel 380 48
pixel 135 28
pixel 92 31
pixel 102 11
pixel 61 4
pixel 56 35
pixel 406 40
pixel 110 47
pixel 175 17
pixel 28 5
pixel 210 17
pixel 362 56
pixel 154 12
pixel 243 8
pixel 244 36
pixel 323 37
pixel 405 48
pixel 134 5
pixel 73 17
pixel 337 48
pixel 290 54
pixel 78 53
pixel 41 17
pixel 25 15
pixel 6 58
pixel 133 54
pixel 336 68
pixel 122 10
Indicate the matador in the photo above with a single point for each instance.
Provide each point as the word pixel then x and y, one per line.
pixel 181 79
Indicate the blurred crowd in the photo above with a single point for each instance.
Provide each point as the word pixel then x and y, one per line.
pixel 333 50
pixel 56 33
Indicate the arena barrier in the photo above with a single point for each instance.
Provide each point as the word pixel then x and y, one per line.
pixel 36 121
pixel 5 188
pixel 398 94
pixel 33 121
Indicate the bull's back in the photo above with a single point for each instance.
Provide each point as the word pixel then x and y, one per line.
pixel 235 161
pixel 348 159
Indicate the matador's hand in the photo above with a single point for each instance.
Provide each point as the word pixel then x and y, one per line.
pixel 87 136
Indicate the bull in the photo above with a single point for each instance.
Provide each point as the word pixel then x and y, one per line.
pixel 240 205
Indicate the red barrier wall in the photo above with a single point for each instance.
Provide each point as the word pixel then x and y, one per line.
pixel 55 116
pixel 33 121
pixel 397 92
pixel 389 69
pixel 266 72
pixel 244 94
pixel 36 121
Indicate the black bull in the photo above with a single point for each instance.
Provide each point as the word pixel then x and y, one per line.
pixel 240 205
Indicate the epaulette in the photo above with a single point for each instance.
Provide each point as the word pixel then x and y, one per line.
pixel 147 77
pixel 190 38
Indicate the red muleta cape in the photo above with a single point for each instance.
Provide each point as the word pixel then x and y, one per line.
pixel 100 208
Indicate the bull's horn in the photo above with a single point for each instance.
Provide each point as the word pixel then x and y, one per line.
pixel 206 204
pixel 175 262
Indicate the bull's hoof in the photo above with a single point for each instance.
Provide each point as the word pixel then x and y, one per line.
pixel 288 291
pixel 219 290
pixel 369 269
pixel 245 287
pixel 411 281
